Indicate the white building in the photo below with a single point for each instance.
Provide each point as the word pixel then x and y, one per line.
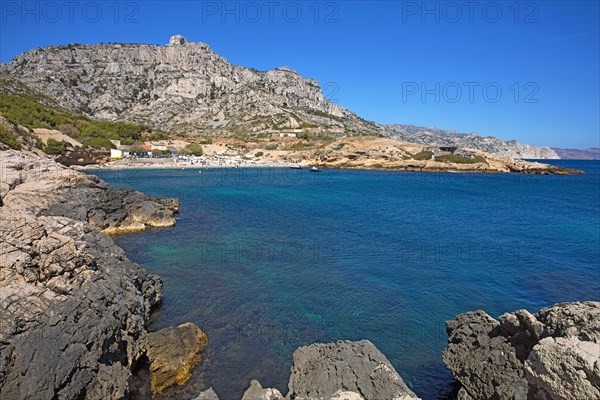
pixel 114 153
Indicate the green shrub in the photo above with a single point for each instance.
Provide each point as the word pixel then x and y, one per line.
pixel 55 147
pixel 192 149
pixel 97 142
pixel 423 155
pixel 9 139
pixel 461 160
pixel 302 135
pixel 259 154
pixel 298 146
pixel 207 140
pixel 271 146
pixel 157 136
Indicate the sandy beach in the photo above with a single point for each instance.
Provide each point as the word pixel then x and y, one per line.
pixel 177 163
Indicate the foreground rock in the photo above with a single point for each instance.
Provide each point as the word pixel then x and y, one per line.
pixel 43 187
pixel 554 354
pixel 173 352
pixel 74 310
pixel 343 370
pixel 321 371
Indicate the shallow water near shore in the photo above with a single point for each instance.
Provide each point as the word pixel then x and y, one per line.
pixel 267 260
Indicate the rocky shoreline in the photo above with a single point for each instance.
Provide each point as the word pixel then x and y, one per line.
pixel 75 312
pixel 554 354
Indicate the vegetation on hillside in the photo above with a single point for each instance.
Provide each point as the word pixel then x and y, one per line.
pixel 461 160
pixel 28 111
pixel 55 147
pixel 192 149
pixel 9 139
pixel 423 155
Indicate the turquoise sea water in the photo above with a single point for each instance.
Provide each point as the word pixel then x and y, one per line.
pixel 267 260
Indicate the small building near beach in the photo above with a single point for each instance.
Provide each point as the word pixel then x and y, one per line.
pixel 114 153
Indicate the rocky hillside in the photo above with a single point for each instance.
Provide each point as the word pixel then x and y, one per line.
pixel 180 87
pixel 489 144
pixel 577 154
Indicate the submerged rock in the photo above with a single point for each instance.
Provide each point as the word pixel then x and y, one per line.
pixel 321 371
pixel 554 354
pixel 173 352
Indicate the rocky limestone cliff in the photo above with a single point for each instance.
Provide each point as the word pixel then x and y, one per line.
pixel 552 355
pixel 73 308
pixel 489 144
pixel 182 87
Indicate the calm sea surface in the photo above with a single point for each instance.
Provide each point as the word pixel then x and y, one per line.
pixel 267 260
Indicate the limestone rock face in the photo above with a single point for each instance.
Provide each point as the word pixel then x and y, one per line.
pixel 44 187
pixel 73 310
pixel 321 371
pixel 73 307
pixel 179 87
pixel 479 353
pixel 554 354
pixel 173 352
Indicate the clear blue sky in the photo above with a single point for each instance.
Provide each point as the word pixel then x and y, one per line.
pixel 376 58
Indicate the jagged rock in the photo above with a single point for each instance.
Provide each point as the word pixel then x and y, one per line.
pixel 208 394
pixel 179 87
pixel 478 354
pixel 554 354
pixel 256 392
pixel 74 310
pixel 173 352
pixel 322 370
pixel 44 187
pixel 178 40
pixel 564 368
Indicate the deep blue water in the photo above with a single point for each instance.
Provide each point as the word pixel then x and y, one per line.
pixel 267 260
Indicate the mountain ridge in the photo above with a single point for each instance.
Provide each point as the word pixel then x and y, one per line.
pixel 187 88
pixel 182 87
pixel 490 144
pixel 592 153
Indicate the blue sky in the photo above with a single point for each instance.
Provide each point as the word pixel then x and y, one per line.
pixel 517 70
